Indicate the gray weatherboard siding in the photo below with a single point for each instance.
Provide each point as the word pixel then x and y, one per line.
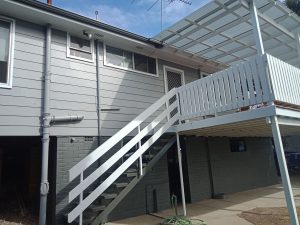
pixel 73 88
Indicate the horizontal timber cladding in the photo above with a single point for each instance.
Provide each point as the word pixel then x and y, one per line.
pixel 239 171
pixel 73 88
pixel 21 105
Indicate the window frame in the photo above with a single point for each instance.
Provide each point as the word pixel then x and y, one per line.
pixel 76 57
pixel 11 51
pixel 133 63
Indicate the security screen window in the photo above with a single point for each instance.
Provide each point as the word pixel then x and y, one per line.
pixel 4 51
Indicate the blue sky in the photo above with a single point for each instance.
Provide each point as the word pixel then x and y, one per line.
pixel 132 15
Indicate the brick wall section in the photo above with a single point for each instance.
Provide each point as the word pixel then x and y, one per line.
pixel 140 199
pixel 69 153
pixel 239 171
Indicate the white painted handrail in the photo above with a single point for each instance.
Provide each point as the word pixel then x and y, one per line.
pixel 285 80
pixel 241 85
pixel 87 181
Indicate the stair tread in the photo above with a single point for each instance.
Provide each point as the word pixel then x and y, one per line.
pixel 132 170
pixel 96 208
pixel 109 195
pixel 120 185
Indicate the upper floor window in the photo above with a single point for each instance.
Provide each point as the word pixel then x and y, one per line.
pixel 80 48
pixel 123 59
pixel 6 51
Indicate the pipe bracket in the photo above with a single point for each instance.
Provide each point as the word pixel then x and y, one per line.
pixel 44 189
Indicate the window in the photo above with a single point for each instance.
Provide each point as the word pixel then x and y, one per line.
pixel 238 145
pixel 6 51
pixel 119 57
pixel 123 59
pixel 80 48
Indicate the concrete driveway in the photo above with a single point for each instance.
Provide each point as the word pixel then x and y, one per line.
pixel 225 211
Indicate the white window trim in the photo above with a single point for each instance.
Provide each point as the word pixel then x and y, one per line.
pixel 172 69
pixel 11 51
pixel 128 69
pixel 80 58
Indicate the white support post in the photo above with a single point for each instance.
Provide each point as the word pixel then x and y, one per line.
pixel 298 44
pixel 141 157
pixel 256 28
pixel 284 172
pixel 181 174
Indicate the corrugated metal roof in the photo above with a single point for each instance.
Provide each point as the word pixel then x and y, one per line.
pixel 222 31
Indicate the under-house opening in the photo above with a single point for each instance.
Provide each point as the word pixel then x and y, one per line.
pixel 20 172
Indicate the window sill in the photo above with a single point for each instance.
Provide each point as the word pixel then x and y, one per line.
pixel 5 86
pixel 81 59
pixel 130 70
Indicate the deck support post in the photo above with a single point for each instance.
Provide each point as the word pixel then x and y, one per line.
pixel 284 172
pixel 256 28
pixel 298 44
pixel 181 174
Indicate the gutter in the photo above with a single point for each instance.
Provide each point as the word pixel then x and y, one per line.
pixel 67 14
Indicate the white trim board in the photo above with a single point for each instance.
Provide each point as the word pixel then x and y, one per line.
pixel 10 53
pixel 227 119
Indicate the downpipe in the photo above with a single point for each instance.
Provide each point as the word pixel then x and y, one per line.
pixel 46 119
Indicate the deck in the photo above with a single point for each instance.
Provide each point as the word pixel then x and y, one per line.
pixel 240 100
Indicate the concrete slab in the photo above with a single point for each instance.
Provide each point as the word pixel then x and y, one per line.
pixel 225 211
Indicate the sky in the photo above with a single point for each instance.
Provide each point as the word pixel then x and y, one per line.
pixel 132 15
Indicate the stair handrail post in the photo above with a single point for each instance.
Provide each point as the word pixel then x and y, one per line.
pixel 80 200
pixel 141 156
pixel 181 174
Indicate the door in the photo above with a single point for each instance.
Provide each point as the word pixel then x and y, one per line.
pixel 173 78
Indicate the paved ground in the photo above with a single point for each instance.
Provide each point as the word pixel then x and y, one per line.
pixel 226 211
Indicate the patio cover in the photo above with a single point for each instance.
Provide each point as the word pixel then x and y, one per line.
pixel 222 31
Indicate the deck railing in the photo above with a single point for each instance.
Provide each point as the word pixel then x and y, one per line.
pixel 239 86
pixel 285 80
